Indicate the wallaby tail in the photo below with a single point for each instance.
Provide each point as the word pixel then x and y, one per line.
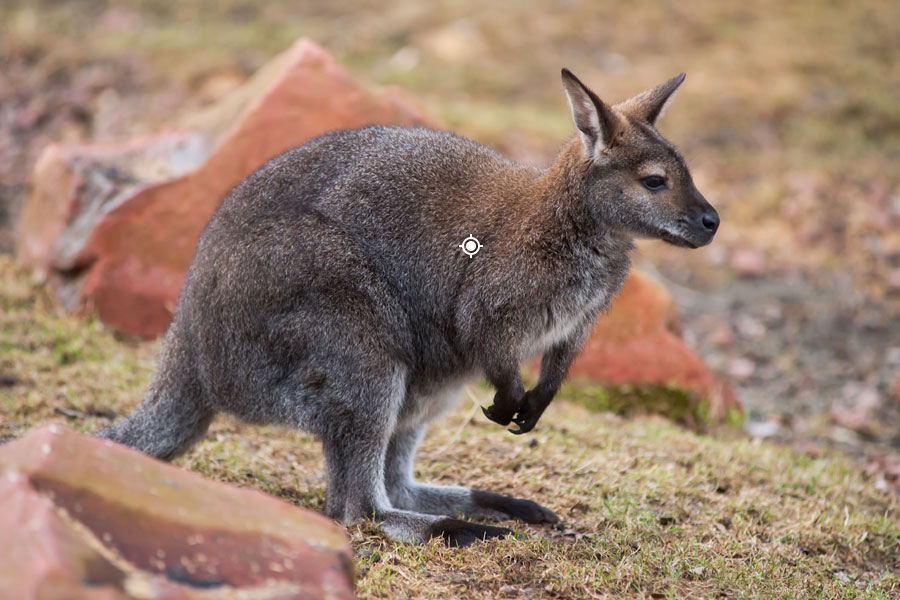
pixel 174 414
pixel 163 426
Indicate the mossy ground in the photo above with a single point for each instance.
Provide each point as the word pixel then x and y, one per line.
pixel 649 509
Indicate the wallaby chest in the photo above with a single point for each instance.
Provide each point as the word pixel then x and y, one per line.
pixel 586 287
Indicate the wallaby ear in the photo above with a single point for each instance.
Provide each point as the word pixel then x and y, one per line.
pixel 650 106
pixel 596 121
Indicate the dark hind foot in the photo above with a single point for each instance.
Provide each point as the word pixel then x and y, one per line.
pixel 513 508
pixel 459 534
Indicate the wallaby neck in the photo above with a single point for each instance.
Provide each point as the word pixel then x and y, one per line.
pixel 563 216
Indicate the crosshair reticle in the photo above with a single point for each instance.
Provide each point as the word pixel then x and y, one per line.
pixel 470 246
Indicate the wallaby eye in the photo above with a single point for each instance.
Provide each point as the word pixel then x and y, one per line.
pixel 654 183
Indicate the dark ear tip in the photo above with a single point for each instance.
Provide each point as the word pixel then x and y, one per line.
pixel 680 77
pixel 566 74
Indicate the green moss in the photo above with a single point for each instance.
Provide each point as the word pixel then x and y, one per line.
pixel 683 406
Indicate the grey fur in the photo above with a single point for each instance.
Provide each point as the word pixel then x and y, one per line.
pixel 328 293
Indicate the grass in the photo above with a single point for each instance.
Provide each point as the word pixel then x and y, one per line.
pixel 649 509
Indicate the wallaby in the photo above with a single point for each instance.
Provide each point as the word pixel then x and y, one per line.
pixel 333 291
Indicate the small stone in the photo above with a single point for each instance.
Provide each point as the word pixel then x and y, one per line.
pixel 750 327
pixel 893 279
pixel 741 368
pixel 894 390
pixel 722 335
pixel 748 261
pixel 762 429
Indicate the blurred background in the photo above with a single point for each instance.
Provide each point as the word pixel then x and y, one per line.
pixel 789 119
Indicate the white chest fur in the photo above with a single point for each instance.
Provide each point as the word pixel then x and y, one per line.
pixel 560 321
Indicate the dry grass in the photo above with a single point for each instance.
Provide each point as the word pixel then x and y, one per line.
pixel 649 509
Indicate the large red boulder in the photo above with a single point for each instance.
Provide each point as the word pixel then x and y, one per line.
pixel 114 228
pixel 638 342
pixel 86 518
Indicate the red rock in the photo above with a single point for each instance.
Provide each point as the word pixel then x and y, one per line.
pixel 637 342
pixel 92 519
pixel 123 252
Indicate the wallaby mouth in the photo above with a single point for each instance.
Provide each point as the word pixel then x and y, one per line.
pixel 693 232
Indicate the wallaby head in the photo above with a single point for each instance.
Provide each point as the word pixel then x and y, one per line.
pixel 635 179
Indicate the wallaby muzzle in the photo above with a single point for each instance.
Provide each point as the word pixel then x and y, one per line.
pixel 706 223
pixel 699 224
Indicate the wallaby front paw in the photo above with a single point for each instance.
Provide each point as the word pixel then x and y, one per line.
pixel 526 422
pixel 495 414
pixel 533 406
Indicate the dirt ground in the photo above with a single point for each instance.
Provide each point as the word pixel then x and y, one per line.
pixel 789 118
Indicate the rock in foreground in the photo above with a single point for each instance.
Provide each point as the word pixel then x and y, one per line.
pixel 86 518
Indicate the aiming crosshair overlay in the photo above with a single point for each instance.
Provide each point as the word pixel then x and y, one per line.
pixel 470 246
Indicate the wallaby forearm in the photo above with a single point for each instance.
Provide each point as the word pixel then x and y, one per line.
pixel 513 404
pixel 554 366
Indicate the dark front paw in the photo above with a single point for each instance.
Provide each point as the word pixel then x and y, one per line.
pixel 526 421
pixel 533 406
pixel 498 415
pixel 504 407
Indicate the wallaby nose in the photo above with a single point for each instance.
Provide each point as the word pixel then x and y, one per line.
pixel 710 221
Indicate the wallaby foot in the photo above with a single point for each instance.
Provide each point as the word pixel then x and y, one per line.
pixel 477 504
pixel 458 533
pixel 408 494
pixel 356 460
pixel 417 528
pixel 519 509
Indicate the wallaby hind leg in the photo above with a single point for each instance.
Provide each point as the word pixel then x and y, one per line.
pixel 406 493
pixel 355 448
